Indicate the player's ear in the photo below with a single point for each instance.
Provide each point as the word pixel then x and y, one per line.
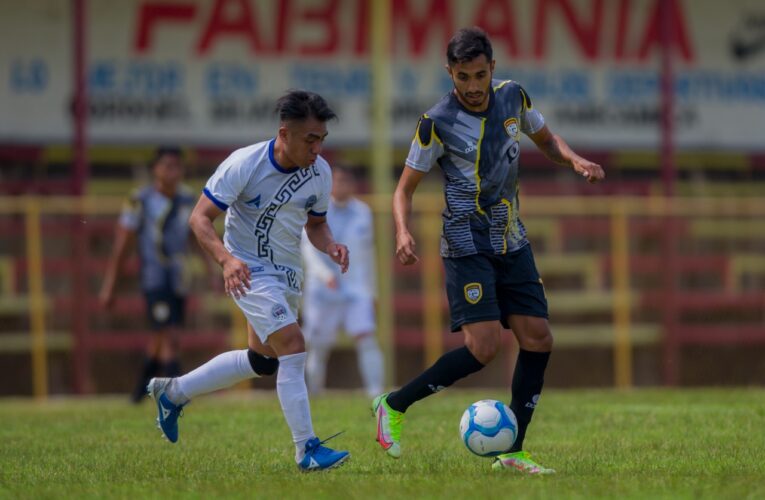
pixel 283 132
pixel 448 69
pixel 492 65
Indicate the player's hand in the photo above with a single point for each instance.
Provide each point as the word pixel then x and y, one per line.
pixel 591 171
pixel 106 297
pixel 236 277
pixel 405 249
pixel 332 283
pixel 339 254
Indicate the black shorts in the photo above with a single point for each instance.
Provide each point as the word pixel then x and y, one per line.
pixel 165 308
pixel 486 287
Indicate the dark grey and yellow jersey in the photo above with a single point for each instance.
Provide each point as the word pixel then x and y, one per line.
pixel 162 229
pixel 478 154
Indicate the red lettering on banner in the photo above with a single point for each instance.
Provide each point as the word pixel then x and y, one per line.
pixel 318 28
pixel 496 18
pixel 153 14
pixel 230 18
pixel 437 13
pixel 283 15
pixel 588 37
pixel 622 17
pixel 326 16
pixel 678 34
pixel 361 42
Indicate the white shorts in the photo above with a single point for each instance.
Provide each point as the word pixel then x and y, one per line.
pixel 323 318
pixel 269 305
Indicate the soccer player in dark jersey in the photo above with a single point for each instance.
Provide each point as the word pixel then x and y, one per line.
pixel 473 134
pixel 156 218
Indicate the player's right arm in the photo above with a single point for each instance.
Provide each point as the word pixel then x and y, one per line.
pixel 236 274
pixel 425 150
pixel 402 211
pixel 123 241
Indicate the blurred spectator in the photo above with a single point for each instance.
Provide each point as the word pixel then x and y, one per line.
pixel 333 300
pixel 156 215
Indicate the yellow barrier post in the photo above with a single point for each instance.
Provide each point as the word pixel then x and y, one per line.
pixel 382 161
pixel 620 269
pixel 431 286
pixel 36 298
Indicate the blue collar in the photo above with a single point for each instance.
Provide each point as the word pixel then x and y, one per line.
pixel 275 164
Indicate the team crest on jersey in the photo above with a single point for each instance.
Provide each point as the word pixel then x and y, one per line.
pixel 473 292
pixel 511 127
pixel 279 312
pixel 310 202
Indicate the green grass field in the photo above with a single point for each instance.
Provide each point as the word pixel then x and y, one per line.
pixel 639 444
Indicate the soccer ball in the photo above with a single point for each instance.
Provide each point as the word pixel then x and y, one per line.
pixel 488 428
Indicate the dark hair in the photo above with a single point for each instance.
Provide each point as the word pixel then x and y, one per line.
pixel 165 150
pixel 300 105
pixel 467 44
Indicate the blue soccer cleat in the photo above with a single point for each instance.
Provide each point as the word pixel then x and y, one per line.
pixel 167 411
pixel 318 457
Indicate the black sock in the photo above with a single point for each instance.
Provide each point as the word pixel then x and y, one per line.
pixel 171 368
pixel 150 369
pixel 449 368
pixel 528 378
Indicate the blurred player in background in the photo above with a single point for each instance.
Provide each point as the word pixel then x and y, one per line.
pixel 333 300
pixel 156 216
pixel 270 192
pixel 473 134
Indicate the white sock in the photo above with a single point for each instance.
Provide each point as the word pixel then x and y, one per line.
pixel 370 364
pixel 316 366
pixel 293 396
pixel 220 372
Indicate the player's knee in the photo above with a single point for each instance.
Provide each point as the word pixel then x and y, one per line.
pixel 262 365
pixel 484 349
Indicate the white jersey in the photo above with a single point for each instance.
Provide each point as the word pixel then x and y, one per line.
pixel 351 225
pixel 267 207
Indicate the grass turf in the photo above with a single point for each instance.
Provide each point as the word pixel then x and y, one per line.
pixel 604 444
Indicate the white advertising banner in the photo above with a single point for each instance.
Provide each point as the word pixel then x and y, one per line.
pixel 208 72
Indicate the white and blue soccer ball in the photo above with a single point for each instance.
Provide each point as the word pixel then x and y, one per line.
pixel 488 428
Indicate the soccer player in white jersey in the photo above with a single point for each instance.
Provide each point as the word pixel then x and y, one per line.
pixel 270 192
pixel 333 300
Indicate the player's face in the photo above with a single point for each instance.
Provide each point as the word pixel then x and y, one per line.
pixel 472 80
pixel 343 185
pixel 303 141
pixel 168 170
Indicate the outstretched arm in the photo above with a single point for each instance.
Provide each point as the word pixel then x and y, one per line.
pixel 555 148
pixel 402 210
pixel 236 274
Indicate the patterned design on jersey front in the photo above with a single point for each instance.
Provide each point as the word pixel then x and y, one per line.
pixel 479 156
pixel 283 195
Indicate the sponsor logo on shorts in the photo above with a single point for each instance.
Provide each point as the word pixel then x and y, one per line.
pixel 279 312
pixel 473 292
pixel 160 312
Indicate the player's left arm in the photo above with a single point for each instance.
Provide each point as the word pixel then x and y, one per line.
pixel 555 148
pixel 320 236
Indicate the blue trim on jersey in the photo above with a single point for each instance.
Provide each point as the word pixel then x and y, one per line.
pixel 213 199
pixel 317 214
pixel 275 164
